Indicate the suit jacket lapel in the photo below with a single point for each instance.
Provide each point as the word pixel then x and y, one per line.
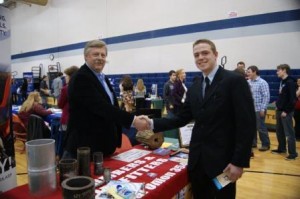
pixel 99 85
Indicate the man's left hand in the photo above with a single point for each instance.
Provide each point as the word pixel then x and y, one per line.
pixel 233 172
pixel 262 113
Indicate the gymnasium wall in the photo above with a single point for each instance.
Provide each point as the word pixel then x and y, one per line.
pixel 155 36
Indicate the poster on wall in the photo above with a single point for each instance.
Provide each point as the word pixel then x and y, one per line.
pixel 7 156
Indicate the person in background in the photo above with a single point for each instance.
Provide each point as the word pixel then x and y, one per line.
pixel 139 94
pixel 95 119
pixel 14 95
pixel 23 89
pixel 63 103
pixel 167 93
pixel 127 97
pixel 44 90
pixel 32 105
pixel 128 105
pixel 297 111
pixel 179 91
pixel 57 85
pixel 222 108
pixel 241 68
pixel 140 89
pixel 241 72
pixel 241 65
pixel 285 106
pixel 261 96
pixel 63 80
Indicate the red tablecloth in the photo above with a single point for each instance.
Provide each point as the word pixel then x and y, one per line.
pixel 170 177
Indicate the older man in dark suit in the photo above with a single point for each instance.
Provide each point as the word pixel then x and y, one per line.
pixel 221 105
pixel 95 119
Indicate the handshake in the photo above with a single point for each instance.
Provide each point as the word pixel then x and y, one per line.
pixel 142 123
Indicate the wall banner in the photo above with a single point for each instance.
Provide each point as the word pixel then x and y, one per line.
pixel 7 155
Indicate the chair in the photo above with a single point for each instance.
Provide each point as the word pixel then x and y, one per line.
pixel 126 144
pixel 19 131
pixel 37 128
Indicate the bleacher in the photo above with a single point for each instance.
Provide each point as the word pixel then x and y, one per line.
pixel 160 78
pixel 271 77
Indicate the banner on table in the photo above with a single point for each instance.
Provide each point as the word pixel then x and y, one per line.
pixel 7 155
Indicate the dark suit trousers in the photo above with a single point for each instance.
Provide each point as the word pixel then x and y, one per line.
pixel 204 188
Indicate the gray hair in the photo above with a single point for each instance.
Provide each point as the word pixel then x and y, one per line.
pixel 94 44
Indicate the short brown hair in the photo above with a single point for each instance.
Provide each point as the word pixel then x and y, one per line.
pixel 285 67
pixel 94 44
pixel 239 71
pixel 71 70
pixel 171 72
pixel 241 62
pixel 254 69
pixel 209 42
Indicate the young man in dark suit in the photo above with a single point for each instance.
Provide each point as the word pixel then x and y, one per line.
pixel 222 107
pixel 95 119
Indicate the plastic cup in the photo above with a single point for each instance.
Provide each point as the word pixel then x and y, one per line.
pixel 41 166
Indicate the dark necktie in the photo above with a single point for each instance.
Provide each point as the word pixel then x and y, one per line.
pixel 206 85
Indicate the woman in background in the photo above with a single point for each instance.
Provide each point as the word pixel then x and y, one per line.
pixel 63 103
pixel 32 105
pixel 179 91
pixel 127 96
pixel 140 93
pixel 140 89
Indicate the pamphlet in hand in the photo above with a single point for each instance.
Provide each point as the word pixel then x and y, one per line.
pixel 221 180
